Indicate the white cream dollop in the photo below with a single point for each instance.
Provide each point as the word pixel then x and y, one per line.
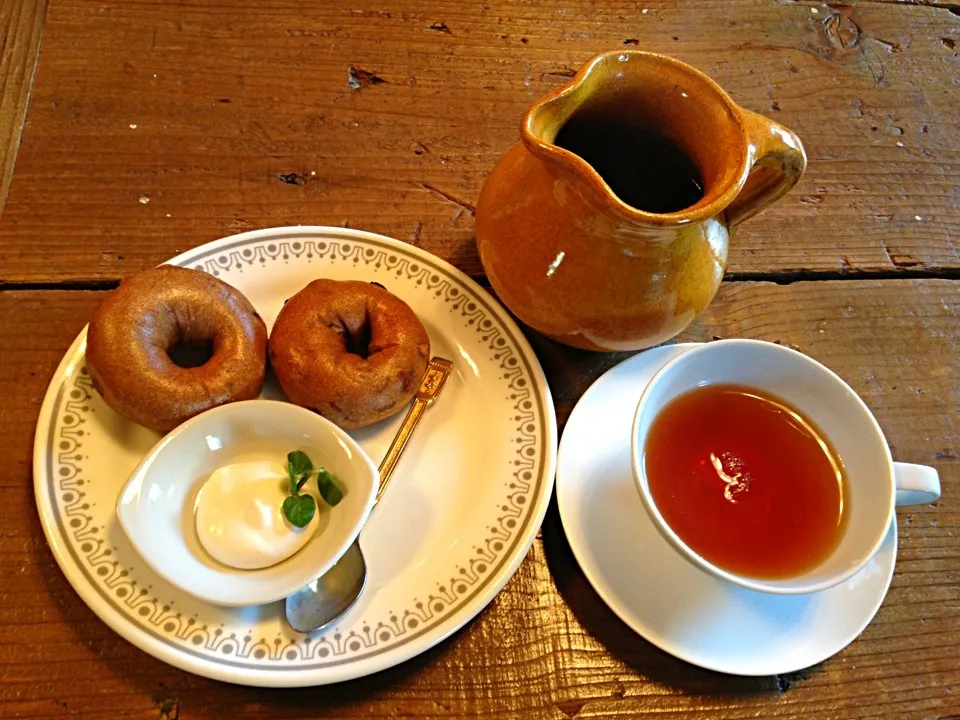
pixel 240 520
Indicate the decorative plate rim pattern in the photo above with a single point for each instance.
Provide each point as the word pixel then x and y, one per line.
pixel 391 640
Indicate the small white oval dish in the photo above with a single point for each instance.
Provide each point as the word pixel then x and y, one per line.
pixel 156 506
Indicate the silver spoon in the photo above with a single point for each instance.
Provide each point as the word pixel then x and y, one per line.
pixel 318 604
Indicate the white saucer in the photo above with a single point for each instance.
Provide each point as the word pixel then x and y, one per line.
pixel 677 607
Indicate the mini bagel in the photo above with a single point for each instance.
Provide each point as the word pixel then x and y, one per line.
pixel 159 317
pixel 349 350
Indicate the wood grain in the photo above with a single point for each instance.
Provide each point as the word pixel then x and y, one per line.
pixel 546 647
pixel 21 27
pixel 156 127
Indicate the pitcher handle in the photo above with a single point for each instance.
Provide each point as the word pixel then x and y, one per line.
pixel 916 484
pixel 778 162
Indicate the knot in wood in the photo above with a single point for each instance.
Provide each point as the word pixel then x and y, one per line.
pixel 842 32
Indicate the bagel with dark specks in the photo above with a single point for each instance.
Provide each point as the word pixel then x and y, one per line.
pixel 172 342
pixel 349 350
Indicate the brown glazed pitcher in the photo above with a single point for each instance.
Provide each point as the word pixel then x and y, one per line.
pixel 574 261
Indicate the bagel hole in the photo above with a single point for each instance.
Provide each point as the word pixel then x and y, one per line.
pixel 358 343
pixel 191 353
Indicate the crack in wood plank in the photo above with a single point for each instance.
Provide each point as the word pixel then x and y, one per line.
pixel 777 278
pixel 472 209
pixel 950 7
pixel 415 234
pixel 906 272
pixel 92 285
pixel 21 28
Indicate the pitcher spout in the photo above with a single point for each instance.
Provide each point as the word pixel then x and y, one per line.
pixel 628 97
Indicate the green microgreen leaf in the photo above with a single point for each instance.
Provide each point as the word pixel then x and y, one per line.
pixel 330 489
pixel 299 509
pixel 299 465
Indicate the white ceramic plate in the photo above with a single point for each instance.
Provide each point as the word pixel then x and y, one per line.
pixel 676 606
pixel 458 518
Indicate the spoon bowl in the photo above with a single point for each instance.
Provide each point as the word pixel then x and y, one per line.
pixel 317 605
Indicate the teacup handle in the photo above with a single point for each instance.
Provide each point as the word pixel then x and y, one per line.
pixel 778 161
pixel 916 484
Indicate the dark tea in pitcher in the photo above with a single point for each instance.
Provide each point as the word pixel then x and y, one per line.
pixel 644 169
pixel 745 481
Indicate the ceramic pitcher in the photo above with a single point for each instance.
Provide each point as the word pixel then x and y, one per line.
pixel 574 260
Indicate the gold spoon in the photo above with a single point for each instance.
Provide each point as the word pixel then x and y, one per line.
pixel 318 604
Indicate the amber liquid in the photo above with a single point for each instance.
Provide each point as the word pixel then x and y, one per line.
pixel 644 169
pixel 745 481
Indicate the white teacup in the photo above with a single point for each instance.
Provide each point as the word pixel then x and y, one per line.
pixel 874 482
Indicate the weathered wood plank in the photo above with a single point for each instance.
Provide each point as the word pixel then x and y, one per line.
pixel 547 647
pixel 21 27
pixel 156 127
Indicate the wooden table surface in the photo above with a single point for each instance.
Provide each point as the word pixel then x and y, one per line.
pixel 130 131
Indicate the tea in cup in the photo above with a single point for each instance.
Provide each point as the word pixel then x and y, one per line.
pixel 764 468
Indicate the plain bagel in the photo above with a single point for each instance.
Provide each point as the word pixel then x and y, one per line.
pixel 349 350
pixel 165 316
